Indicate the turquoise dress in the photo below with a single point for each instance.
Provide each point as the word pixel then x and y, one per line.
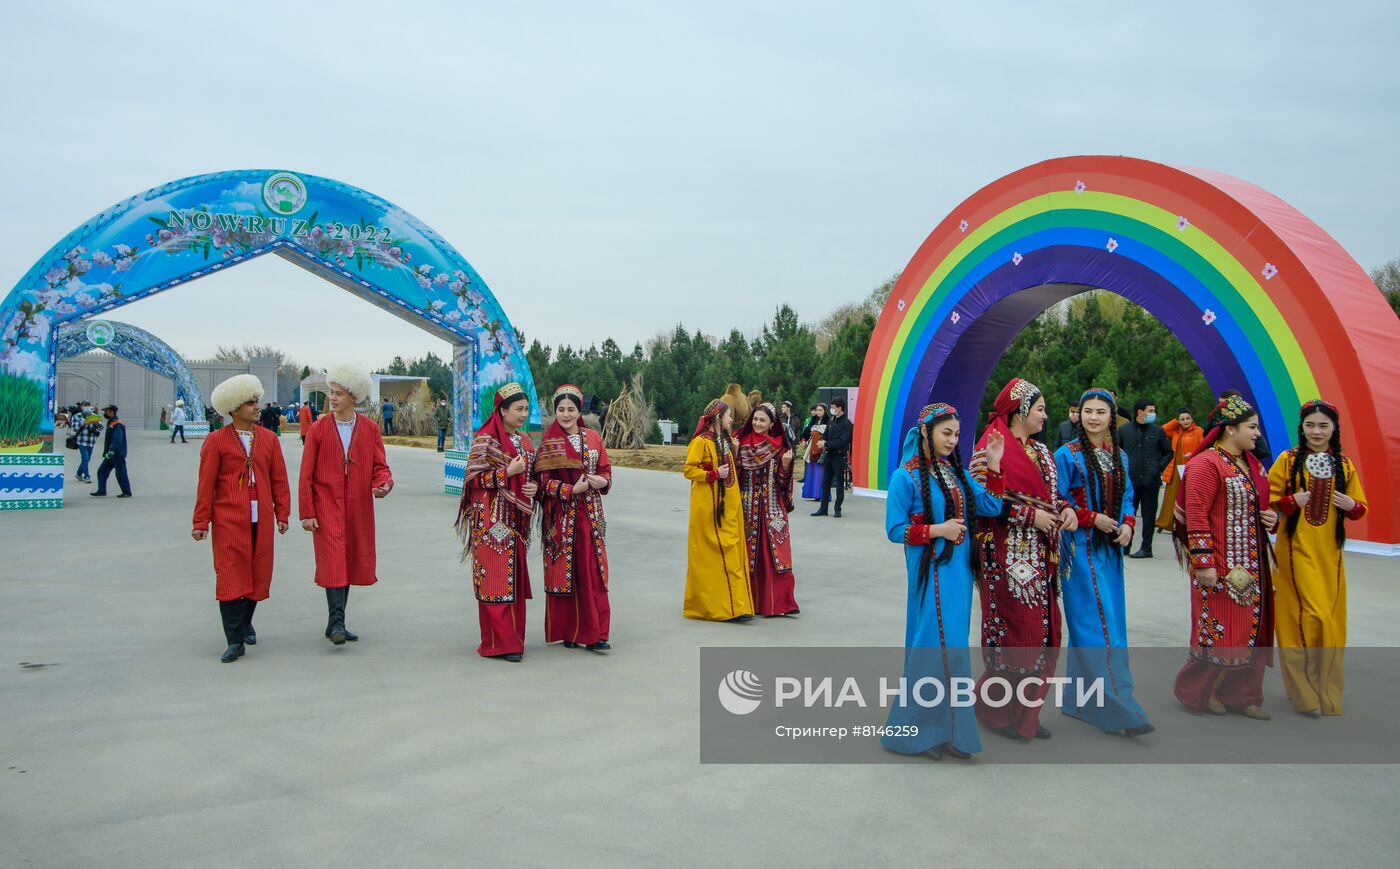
pixel 937 619
pixel 1091 584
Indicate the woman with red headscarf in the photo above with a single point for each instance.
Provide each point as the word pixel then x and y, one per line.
pixel 717 564
pixel 1020 554
pixel 765 481
pixel 493 522
pixel 574 473
pixel 1222 530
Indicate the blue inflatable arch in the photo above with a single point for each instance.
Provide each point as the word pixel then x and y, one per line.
pixel 198 226
pixel 135 345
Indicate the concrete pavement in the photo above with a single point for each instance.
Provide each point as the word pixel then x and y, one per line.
pixel 124 741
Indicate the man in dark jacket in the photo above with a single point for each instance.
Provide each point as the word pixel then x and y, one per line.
pixel 113 455
pixel 442 415
pixel 1149 451
pixel 834 460
pixel 1066 432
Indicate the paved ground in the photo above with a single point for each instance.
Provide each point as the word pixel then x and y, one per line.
pixel 133 746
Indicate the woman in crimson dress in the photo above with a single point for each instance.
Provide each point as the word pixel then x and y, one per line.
pixel 493 522
pixel 1020 557
pixel 765 480
pixel 1222 531
pixel 573 473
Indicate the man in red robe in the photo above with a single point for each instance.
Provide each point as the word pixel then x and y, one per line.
pixel 304 420
pixel 343 469
pixel 242 478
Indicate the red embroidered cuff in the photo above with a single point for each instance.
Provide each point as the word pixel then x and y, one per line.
pixel 1287 505
pixel 1085 518
pixel 1130 521
pixel 918 518
pixel 1202 548
pixel 711 476
pixel 995 483
pixel 915 535
pixel 1358 511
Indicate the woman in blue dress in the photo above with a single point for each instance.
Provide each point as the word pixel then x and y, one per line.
pixel 1094 479
pixel 931 498
pixel 813 434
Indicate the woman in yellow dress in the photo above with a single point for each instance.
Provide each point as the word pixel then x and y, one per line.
pixel 717 563
pixel 1316 488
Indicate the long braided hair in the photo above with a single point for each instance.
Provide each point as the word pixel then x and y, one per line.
pixel 1091 467
pixel 1297 476
pixel 926 449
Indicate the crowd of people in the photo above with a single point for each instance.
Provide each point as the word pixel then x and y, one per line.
pixel 1034 531
pixel 1040 532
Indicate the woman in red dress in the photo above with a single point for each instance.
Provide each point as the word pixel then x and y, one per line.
pixel 493 522
pixel 765 479
pixel 573 473
pixel 1222 531
pixel 1020 557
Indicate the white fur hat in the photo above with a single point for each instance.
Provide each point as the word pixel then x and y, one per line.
pixel 179 402
pixel 237 390
pixel 353 378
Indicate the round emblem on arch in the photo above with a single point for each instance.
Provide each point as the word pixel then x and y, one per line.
pixel 284 193
pixel 100 333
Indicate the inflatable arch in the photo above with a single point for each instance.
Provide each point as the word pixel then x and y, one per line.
pixel 141 347
pixel 191 228
pixel 1263 298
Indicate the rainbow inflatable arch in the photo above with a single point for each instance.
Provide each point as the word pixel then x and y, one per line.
pixel 1263 298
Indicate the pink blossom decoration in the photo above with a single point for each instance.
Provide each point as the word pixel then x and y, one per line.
pixel 1182 223
pixel 122 249
pixel 900 304
pixel 1269 271
pixel 1080 187
pixel 1208 317
pixel 962 226
pixel 1016 258
pixel 1112 245
pixel 955 318
pixel 102 258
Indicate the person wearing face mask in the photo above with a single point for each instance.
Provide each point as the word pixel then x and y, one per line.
pixel 1068 429
pixel 573 475
pixel 1149 452
pixel 1317 489
pixel 493 522
pixel 442 415
pixel 1222 535
pixel 1186 438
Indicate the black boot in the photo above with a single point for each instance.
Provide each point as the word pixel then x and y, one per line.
pixel 335 626
pixel 231 612
pixel 250 637
pixel 344 601
pixel 1144 550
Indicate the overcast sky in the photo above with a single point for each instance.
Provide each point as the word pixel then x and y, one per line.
pixel 614 168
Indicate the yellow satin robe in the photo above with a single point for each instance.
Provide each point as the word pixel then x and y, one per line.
pixel 717 564
pixel 1310 595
